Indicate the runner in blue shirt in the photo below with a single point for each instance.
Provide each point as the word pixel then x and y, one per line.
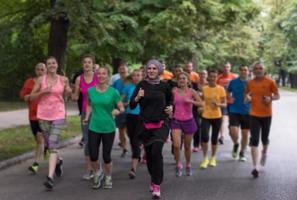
pixel 238 112
pixel 120 120
pixel 133 121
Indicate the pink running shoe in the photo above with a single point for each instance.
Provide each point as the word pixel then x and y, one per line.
pixel 195 149
pixel 156 191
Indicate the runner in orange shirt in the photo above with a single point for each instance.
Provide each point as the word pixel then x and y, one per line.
pixel 224 80
pixel 260 91
pixel 25 92
pixel 166 75
pixel 193 75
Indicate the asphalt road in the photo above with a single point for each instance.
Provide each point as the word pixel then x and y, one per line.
pixel 229 180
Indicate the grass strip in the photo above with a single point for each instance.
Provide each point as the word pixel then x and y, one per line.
pixel 19 140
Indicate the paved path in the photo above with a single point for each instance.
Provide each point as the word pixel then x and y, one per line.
pixel 15 118
pixel 230 180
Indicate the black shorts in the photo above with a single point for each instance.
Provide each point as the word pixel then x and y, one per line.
pixel 120 120
pixel 35 127
pixel 236 119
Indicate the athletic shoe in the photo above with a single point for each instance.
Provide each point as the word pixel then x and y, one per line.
pixel 34 168
pixel 195 149
pixel 189 171
pixel 156 191
pixel 221 140
pixel 120 144
pixel 97 180
pixel 263 159
pixel 132 174
pixel 242 158
pixel 123 155
pixel 49 183
pixel 235 150
pixel 255 173
pixel 107 182
pixel 59 167
pixel 213 161
pixel 81 143
pixel 88 176
pixel 204 163
pixel 179 171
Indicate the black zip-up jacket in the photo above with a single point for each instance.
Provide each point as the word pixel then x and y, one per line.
pixel 156 98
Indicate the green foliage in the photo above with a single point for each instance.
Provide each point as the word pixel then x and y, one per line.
pixel 279 35
pixel 208 32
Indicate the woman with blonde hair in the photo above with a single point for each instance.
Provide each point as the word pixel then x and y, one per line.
pixel 183 122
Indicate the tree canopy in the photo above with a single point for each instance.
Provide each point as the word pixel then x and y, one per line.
pixel 209 32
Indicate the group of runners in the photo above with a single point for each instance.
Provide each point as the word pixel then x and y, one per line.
pixel 152 106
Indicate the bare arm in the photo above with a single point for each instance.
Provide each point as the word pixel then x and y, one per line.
pixel 67 89
pixel 121 106
pixel 75 94
pixel 123 97
pixel 25 93
pixel 197 100
pixel 275 96
pixel 88 113
pixel 118 110
pixel 36 91
pixel 230 98
pixel 223 102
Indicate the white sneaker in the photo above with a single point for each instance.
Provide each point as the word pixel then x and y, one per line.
pixel 88 176
pixel 98 178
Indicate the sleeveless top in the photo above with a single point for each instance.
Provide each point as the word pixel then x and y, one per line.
pixel 51 106
pixel 84 88
pixel 183 110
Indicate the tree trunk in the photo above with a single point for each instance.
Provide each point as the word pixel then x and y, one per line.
pixel 57 42
pixel 115 64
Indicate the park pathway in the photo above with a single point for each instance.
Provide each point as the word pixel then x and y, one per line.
pixel 11 119
pixel 230 180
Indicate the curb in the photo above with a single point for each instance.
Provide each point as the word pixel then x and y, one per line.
pixel 26 156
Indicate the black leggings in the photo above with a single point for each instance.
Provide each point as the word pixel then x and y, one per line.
pixel 215 124
pixel 133 124
pixel 154 160
pixel 197 134
pixel 257 125
pixel 94 145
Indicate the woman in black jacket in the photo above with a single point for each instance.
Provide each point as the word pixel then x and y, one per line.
pixel 154 97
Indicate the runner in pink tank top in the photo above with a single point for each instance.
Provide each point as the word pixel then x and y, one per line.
pixel 51 89
pixel 183 109
pixel 84 86
pixel 51 106
pixel 183 121
pixel 83 82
